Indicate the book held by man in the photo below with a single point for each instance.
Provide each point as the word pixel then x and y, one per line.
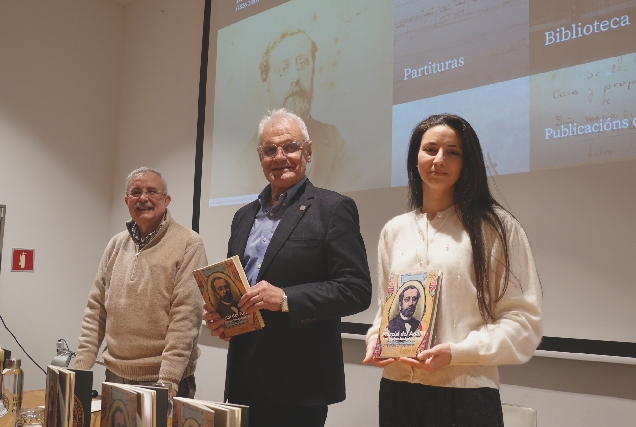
pixel 222 285
pixel 408 317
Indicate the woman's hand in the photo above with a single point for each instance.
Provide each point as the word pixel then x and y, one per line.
pixel 430 360
pixel 368 358
pixel 214 322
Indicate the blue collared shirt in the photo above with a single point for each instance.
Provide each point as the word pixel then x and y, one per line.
pixel 263 229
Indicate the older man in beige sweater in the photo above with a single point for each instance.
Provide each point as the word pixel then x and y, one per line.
pixel 145 302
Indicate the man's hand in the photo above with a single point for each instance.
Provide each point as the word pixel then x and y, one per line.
pixel 368 358
pixel 215 323
pixel 430 360
pixel 261 296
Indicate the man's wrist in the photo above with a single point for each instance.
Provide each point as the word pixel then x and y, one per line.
pixel 284 306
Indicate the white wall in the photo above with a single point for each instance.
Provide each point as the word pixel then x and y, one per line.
pixel 158 108
pixel 59 73
pixel 58 129
pixel 573 392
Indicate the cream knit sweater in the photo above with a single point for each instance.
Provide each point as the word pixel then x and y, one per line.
pixel 147 306
pixel 477 348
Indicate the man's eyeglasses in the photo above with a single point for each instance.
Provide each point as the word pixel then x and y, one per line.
pixel 302 62
pixel 136 193
pixel 289 148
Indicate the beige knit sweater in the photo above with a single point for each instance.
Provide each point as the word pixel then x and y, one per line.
pixel 477 347
pixel 147 306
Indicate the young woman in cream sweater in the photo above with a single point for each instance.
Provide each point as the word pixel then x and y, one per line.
pixel 489 306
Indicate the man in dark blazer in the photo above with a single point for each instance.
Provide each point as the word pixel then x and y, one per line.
pixel 306 262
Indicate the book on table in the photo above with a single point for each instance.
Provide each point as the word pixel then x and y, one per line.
pixel 203 413
pixel 6 416
pixel 408 316
pixel 222 285
pixel 125 405
pixel 4 355
pixel 67 400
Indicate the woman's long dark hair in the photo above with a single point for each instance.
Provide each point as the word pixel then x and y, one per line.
pixel 474 203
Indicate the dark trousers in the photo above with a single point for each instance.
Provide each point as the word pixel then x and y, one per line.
pixel 404 404
pixel 187 386
pixel 271 415
pixel 264 411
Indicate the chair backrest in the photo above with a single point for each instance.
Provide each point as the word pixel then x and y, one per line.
pixel 519 416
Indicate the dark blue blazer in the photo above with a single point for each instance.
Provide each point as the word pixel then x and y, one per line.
pixel 318 256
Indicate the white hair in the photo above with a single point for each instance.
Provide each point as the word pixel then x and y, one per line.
pixel 282 114
pixel 146 169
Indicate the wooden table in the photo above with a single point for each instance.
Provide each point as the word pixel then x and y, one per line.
pixel 35 398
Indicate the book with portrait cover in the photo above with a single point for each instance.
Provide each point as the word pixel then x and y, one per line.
pixel 203 413
pixel 408 317
pixel 67 399
pixel 188 413
pixel 50 398
pixel 222 285
pixel 134 405
pixel 119 406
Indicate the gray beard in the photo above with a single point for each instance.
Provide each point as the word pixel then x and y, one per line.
pixel 298 105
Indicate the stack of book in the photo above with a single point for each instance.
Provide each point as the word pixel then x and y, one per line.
pixel 134 405
pixel 68 397
pixel 201 413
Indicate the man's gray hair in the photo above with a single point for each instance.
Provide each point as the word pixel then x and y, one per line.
pixel 146 169
pixel 282 114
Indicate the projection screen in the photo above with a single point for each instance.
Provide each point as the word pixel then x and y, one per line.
pixel 550 88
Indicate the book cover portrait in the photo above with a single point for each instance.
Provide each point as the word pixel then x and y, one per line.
pixel 409 314
pixel 222 286
pixel 118 415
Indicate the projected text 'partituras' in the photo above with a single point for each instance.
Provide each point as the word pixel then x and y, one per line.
pixel 433 68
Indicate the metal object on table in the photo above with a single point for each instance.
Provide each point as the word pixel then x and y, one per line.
pixel 30 417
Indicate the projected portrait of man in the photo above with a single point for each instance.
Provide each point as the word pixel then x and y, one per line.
pixel 287 72
pixel 404 322
pixel 226 306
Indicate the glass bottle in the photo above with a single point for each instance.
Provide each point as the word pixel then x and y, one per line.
pixel 12 382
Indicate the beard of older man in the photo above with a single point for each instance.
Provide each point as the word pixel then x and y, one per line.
pixel 299 99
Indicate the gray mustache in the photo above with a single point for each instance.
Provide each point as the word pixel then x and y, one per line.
pixel 146 205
